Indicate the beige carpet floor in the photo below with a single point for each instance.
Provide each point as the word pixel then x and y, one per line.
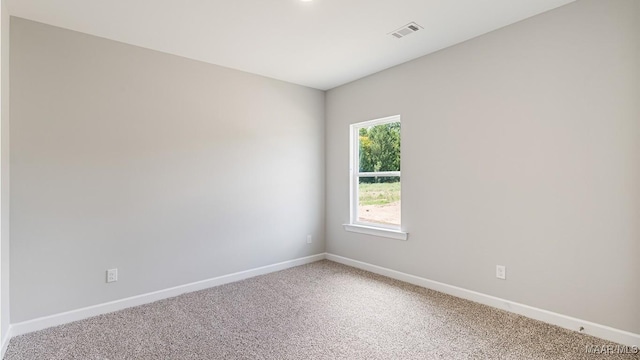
pixel 322 310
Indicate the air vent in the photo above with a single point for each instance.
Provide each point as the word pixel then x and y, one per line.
pixel 408 29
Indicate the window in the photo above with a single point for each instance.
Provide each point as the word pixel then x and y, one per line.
pixel 375 178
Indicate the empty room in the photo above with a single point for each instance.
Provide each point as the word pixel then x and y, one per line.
pixel 320 179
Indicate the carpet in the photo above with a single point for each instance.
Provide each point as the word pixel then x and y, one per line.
pixel 322 310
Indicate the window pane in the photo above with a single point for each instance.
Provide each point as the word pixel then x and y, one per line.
pixel 379 147
pixel 379 200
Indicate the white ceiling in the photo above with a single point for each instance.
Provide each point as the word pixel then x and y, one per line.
pixel 321 44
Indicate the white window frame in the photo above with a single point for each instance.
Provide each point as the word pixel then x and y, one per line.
pixel 383 230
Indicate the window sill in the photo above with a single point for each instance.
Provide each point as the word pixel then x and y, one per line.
pixel 375 231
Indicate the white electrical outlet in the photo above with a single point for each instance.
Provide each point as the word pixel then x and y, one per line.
pixel 112 275
pixel 501 272
pixel 309 239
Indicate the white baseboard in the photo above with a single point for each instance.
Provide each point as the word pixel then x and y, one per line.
pixel 90 311
pixel 567 322
pixel 5 341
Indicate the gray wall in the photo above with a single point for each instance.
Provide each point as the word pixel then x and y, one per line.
pixel 169 169
pixel 520 147
pixel 4 171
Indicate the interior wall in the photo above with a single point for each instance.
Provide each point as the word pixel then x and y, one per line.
pixel 4 171
pixel 169 169
pixel 520 148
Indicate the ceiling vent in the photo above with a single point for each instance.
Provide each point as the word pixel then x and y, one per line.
pixel 408 29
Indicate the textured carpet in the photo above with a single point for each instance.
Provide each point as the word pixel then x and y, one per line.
pixel 319 311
